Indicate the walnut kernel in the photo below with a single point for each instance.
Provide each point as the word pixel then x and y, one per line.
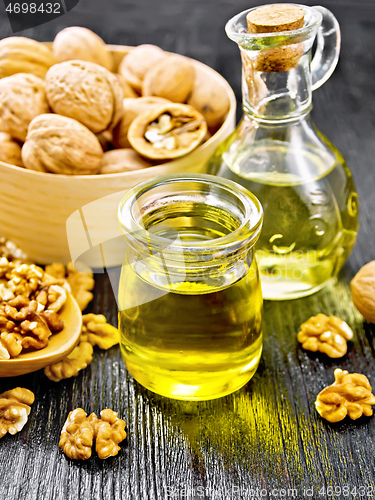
pixel 11 251
pixel 97 331
pixel 77 360
pixel 109 432
pixel 328 335
pixel 133 108
pixel 77 436
pixel 14 410
pixel 79 431
pixel 81 283
pixel 168 131
pixel 350 394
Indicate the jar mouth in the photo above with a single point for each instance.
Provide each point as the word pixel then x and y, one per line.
pixel 236 214
pixel 236 30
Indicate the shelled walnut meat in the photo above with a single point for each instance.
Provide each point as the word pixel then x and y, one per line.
pixel 61 145
pixel 350 394
pixel 80 43
pixel 133 108
pixel 326 334
pixel 79 432
pixel 167 132
pixel 29 303
pixel 23 55
pixel 22 98
pixel 77 360
pixel 86 92
pixel 24 324
pixel 81 281
pixel 95 332
pixel 14 410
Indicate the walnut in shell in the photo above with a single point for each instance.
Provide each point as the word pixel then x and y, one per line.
pixel 22 98
pixel 86 92
pixel 22 55
pixel 10 150
pixel 83 44
pixel 167 132
pixel 61 145
pixel 133 108
pixel 363 291
pixel 127 90
pixel 171 78
pixel 211 99
pixel 122 160
pixel 135 65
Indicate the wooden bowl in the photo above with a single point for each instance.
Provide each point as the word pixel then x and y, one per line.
pixel 60 345
pixel 57 218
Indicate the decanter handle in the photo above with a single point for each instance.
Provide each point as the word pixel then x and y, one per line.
pixel 328 48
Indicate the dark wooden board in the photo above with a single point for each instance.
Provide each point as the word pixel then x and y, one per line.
pixel 268 434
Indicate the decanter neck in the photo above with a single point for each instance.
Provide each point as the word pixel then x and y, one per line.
pixel 279 96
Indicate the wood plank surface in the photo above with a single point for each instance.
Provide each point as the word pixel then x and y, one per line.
pixel 267 436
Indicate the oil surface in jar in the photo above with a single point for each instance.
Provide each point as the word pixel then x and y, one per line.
pixel 195 340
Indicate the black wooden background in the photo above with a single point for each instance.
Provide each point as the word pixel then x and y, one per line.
pixel 266 438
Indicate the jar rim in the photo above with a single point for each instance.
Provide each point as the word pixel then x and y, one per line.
pixel 249 229
pixel 236 31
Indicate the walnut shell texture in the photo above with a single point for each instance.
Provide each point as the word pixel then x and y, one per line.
pixel 135 65
pixel 171 78
pixel 122 160
pixel 22 55
pixel 10 150
pixel 211 99
pixel 189 134
pixel 86 92
pixel 22 98
pixel 127 89
pixel 83 44
pixel 61 145
pixel 363 291
pixel 133 108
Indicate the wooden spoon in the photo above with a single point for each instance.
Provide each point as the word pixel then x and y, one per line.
pixel 60 345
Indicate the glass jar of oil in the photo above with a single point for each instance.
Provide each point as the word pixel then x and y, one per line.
pixel 302 181
pixel 190 302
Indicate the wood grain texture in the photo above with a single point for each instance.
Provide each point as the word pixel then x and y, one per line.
pixel 267 435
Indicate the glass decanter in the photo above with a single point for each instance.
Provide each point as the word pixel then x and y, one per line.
pixel 306 189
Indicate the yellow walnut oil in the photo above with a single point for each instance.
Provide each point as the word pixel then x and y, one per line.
pixel 198 337
pixel 310 222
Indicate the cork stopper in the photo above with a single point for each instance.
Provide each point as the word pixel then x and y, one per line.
pixel 275 18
